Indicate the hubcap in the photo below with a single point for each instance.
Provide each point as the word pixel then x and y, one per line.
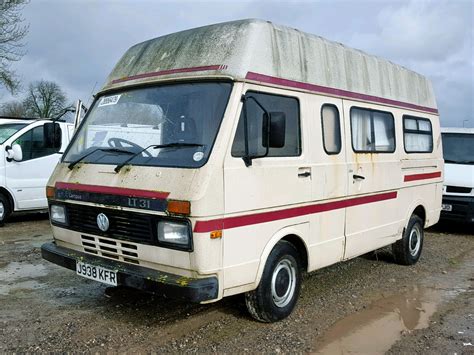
pixel 283 283
pixel 414 243
pixel 2 210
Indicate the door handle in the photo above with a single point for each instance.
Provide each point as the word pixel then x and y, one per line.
pixel 358 177
pixel 305 174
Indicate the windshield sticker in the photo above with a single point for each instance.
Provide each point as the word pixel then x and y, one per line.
pixel 198 156
pixel 109 100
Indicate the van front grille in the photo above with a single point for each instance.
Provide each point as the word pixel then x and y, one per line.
pixel 123 225
pixel 111 249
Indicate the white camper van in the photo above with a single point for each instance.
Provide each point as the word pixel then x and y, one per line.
pixel 29 151
pixel 230 158
pixel 458 189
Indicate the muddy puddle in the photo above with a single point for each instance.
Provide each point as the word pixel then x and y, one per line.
pixel 375 329
pixel 15 276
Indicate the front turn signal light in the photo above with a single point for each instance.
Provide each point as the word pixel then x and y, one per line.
pixel 50 192
pixel 179 207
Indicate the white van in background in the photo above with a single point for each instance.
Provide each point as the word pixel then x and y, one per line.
pixel 29 151
pixel 458 189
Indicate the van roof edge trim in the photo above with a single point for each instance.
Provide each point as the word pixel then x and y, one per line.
pixel 171 71
pixel 333 91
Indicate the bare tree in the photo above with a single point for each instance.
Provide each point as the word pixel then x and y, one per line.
pixel 12 31
pixel 45 99
pixel 13 109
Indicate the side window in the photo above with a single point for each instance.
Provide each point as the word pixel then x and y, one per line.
pixel 272 103
pixel 372 131
pixel 417 135
pixel 33 144
pixel 331 129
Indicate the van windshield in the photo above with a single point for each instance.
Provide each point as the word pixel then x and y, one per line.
pixel 458 148
pixel 8 130
pixel 182 119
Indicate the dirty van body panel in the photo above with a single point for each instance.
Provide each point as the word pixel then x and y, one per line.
pixel 270 183
pixel 238 48
pixel 411 180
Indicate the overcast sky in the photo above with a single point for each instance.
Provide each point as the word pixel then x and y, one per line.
pixel 77 43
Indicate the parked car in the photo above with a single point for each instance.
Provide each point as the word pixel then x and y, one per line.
pixel 229 158
pixel 29 151
pixel 458 188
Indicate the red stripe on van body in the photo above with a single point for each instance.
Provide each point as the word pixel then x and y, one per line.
pixel 335 92
pixel 425 176
pixel 240 221
pixel 170 71
pixel 113 190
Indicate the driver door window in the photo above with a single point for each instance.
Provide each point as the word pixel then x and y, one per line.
pixel 33 144
pixel 272 103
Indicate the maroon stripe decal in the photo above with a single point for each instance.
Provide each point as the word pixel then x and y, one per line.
pixel 170 71
pixel 335 92
pixel 240 221
pixel 425 176
pixel 112 190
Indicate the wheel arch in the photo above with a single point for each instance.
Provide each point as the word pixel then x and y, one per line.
pixel 9 196
pixel 419 209
pixel 291 234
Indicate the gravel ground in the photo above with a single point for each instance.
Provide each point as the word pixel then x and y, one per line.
pixel 418 309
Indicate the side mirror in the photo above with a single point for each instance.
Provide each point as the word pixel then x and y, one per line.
pixel 52 135
pixel 273 130
pixel 14 153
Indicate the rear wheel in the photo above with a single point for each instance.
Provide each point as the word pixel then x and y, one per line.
pixel 407 250
pixel 279 288
pixel 5 208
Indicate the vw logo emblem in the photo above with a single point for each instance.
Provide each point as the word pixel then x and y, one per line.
pixel 103 222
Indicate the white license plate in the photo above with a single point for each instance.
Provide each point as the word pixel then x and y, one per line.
pixel 96 273
pixel 447 208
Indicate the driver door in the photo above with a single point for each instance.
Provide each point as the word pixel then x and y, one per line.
pixel 27 178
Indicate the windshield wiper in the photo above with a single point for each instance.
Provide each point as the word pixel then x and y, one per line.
pixel 156 146
pixel 104 149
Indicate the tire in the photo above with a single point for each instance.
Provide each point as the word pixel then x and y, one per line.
pixel 407 250
pixel 5 209
pixel 279 288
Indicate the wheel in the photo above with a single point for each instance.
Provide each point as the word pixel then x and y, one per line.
pixel 407 250
pixel 5 208
pixel 279 288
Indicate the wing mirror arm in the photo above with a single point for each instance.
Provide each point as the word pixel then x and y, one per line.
pixel 247 158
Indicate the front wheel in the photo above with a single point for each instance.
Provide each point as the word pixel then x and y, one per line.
pixel 279 288
pixel 5 209
pixel 407 250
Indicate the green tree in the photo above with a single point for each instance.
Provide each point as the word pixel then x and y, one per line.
pixel 12 31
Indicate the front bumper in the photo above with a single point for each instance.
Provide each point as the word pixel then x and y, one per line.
pixel 462 209
pixel 139 277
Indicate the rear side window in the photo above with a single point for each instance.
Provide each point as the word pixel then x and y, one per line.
pixel 331 129
pixel 372 131
pixel 272 103
pixel 417 135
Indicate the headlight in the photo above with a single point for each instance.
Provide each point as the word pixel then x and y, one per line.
pixel 174 233
pixel 58 214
